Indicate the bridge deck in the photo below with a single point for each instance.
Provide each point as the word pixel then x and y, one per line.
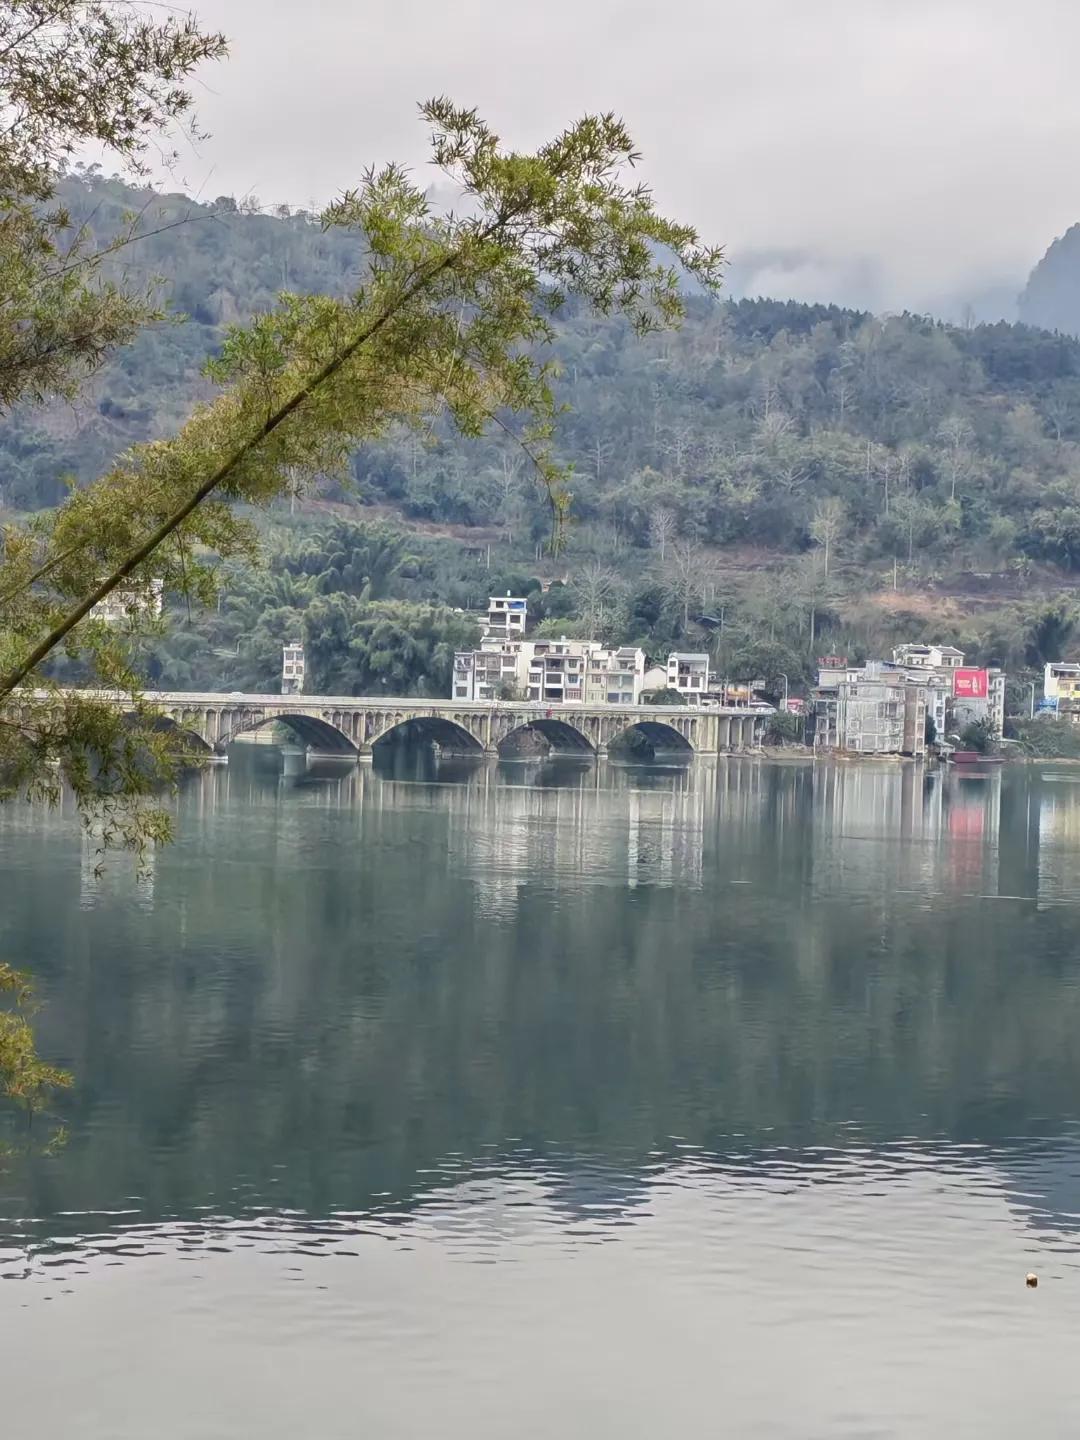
pixel 302 702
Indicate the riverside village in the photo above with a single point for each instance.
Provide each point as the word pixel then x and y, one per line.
pixel 924 700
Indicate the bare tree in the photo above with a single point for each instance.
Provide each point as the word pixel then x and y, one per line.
pixel 601 455
pixel 597 585
pixel 827 524
pixel 812 591
pixel 913 515
pixel 774 425
pixel 1058 409
pixel 956 434
pixel 508 486
pixel 844 390
pixel 686 577
pixel 662 528
pixel 678 441
pixel 872 461
pixel 791 477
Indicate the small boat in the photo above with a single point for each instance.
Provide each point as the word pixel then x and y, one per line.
pixel 972 757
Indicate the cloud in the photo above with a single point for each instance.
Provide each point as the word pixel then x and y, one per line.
pixel 930 144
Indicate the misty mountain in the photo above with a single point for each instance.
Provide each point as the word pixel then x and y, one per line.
pixel 1051 298
pixel 856 283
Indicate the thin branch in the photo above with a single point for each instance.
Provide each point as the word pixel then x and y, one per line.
pixel 142 552
pixel 540 470
pixel 14 593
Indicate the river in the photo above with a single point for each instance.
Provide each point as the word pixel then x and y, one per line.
pixel 495 1100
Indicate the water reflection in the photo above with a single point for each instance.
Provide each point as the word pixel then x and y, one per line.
pixel 791 1046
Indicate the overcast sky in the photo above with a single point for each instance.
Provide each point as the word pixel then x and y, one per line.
pixel 912 150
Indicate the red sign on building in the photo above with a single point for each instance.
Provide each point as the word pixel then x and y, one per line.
pixel 970 684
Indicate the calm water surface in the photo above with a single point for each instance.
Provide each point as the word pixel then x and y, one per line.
pixel 532 1101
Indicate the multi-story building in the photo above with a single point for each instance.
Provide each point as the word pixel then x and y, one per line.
pixel 873 711
pixel 935 666
pixel 292 668
pixel 489 672
pixel 1061 686
pixel 688 673
pixel 977 695
pixel 506 617
pixel 961 694
pixel 556 672
pixel 615 677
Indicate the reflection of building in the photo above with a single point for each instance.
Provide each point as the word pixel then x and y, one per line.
pixel 1058 838
pixel 292 668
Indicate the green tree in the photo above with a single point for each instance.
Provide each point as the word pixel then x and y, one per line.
pixel 449 323
pixel 359 559
pixel 74 72
pixel 382 648
pixel 979 735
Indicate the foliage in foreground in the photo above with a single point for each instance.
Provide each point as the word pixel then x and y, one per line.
pixel 448 324
pixel 25 1080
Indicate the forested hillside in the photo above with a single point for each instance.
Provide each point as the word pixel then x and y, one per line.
pixel 872 462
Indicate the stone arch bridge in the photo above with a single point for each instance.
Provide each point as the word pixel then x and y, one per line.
pixel 351 725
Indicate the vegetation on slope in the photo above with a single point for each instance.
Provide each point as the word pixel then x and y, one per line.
pixel 798 477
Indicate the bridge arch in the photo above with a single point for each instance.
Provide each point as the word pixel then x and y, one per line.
pixel 198 744
pixel 309 730
pixel 429 730
pixel 559 734
pixel 657 735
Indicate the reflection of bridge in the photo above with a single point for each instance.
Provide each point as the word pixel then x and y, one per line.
pixel 348 725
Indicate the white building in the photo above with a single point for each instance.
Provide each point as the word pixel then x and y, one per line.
pixel 553 672
pixel 688 673
pixel 506 617
pixel 943 658
pixel 123 605
pixel 292 668
pixel 615 677
pixel 487 673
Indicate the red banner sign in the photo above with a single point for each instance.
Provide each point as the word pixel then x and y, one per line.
pixel 970 684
